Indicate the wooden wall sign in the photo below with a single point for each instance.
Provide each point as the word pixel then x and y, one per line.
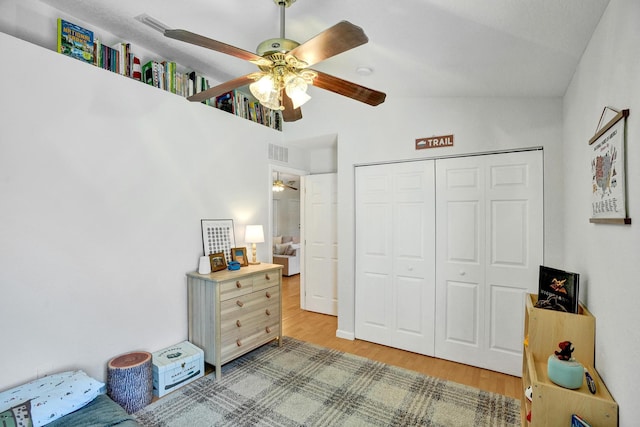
pixel 608 171
pixel 434 142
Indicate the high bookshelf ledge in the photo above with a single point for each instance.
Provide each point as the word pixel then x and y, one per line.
pixel 552 405
pixel 82 44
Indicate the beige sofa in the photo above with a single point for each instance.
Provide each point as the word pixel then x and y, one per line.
pixel 286 252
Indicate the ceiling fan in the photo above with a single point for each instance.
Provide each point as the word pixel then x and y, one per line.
pixel 281 83
pixel 279 185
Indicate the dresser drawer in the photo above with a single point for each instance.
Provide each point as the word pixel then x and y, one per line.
pixel 238 321
pixel 266 280
pixel 233 347
pixel 236 287
pixel 245 310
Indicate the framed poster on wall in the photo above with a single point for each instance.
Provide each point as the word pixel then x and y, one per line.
pixel 218 236
pixel 608 172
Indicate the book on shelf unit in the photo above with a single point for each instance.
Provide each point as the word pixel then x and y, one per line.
pixel 118 59
pixel 75 41
pixel 558 290
pixel 238 103
pixel 576 421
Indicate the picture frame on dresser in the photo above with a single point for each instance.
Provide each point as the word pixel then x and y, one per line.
pixel 240 255
pixel 218 236
pixel 217 261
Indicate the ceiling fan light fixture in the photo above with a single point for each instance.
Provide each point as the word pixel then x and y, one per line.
pixel 265 91
pixel 278 186
pixel 296 89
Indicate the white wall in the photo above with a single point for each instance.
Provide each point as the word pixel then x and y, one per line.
pixel 388 133
pixel 103 183
pixel 607 255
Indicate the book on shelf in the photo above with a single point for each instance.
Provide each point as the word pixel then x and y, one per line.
pixel 577 421
pixel 75 41
pixel 136 70
pixel 558 290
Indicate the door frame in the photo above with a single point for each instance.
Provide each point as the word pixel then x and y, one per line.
pixel 269 239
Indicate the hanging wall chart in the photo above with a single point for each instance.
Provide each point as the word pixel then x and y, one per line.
pixel 608 171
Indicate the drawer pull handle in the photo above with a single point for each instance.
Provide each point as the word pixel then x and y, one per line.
pixel 239 303
pixel 267 294
pixel 267 312
pixel 238 324
pixel 238 284
pixel 238 343
pixel 266 276
pixel 267 330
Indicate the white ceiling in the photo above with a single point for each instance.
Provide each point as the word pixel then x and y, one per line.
pixel 419 48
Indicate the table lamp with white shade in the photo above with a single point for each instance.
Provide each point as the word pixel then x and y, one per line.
pixel 253 234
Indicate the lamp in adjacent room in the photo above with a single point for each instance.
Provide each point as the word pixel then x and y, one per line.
pixel 254 234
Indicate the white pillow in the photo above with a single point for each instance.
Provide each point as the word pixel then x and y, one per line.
pixel 290 250
pixel 53 396
pixel 277 240
pixel 281 249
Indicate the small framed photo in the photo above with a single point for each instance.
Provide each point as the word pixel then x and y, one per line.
pixel 240 255
pixel 217 261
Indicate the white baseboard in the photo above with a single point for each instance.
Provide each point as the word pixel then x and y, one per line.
pixel 346 335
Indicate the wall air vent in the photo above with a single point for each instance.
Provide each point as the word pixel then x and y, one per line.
pixel 279 153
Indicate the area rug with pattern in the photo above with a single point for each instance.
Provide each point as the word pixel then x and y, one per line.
pixel 301 384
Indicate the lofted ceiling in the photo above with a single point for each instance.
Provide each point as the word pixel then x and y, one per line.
pixel 421 48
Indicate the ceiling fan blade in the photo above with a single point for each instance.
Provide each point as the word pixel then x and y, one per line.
pixel 193 38
pixel 290 187
pixel 221 88
pixel 341 37
pixel 289 114
pixel 349 89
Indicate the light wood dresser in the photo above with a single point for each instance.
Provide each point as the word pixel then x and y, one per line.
pixel 234 312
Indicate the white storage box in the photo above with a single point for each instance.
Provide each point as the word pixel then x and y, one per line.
pixel 176 366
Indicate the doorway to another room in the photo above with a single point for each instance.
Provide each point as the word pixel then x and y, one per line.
pixel 304 234
pixel 286 224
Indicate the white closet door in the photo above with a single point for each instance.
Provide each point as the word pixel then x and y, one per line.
pixel 320 274
pixel 489 238
pixel 395 256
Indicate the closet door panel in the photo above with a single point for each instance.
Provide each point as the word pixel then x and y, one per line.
pixel 515 251
pixel 493 248
pixel 374 273
pixel 406 192
pixel 461 313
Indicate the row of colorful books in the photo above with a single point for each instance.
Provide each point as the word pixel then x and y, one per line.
pixel 80 43
pixel 165 76
pixel 241 105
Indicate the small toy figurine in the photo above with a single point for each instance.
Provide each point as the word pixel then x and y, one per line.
pixel 565 350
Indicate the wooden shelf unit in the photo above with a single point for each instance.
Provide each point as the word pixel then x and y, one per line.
pixel 553 405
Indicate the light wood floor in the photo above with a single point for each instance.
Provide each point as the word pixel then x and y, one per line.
pixel 321 329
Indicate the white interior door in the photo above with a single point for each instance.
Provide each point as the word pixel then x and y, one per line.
pixel 395 257
pixel 320 273
pixel 489 215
